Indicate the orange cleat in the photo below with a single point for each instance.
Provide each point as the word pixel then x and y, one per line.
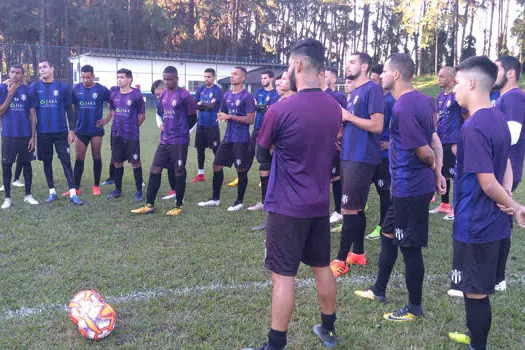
pixel 66 194
pixel 198 178
pixel 338 268
pixel 356 259
pixel 95 191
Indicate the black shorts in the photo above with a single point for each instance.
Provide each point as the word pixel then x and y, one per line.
pixel 356 179
pixel 86 139
pixel 252 147
pixel 449 161
pixel 336 164
pixel 407 220
pixel 171 156
pixel 382 176
pixel 122 150
pixel 474 266
pixel 16 146
pixel 291 240
pixel 45 144
pixel 207 137
pixel 230 153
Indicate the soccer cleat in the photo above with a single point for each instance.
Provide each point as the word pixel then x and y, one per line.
pixel 376 234
pixel 501 287
pixel 2 188
pixel 260 184
pixel 175 211
pixel 209 203
pixel 335 217
pixel 147 209
pixel 172 194
pixel 449 217
pixel 7 203
pixel 257 206
pixel 236 206
pixel 455 293
pixel 29 199
pixel 75 200
pixel 356 259
pixel 109 181
pixel 51 198
pixel 66 194
pixel 337 229
pixel 138 196
pixel 401 315
pixel 329 338
pixel 18 183
pixel 338 267
pixel 234 182
pixel 443 208
pixel 95 190
pixel 198 178
pixel 114 194
pixel 458 337
pixel 369 294
pixel 260 227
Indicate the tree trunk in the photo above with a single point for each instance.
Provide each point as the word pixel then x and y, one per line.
pixel 492 6
pixel 366 15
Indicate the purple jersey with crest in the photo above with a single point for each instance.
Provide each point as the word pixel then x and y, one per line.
pixel 127 108
pixel 174 107
pixel 239 104
pixel 449 117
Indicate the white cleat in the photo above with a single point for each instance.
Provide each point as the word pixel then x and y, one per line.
pixel 2 189
pixel 236 206
pixel 455 293
pixel 7 203
pixel 257 206
pixel 209 203
pixel 335 217
pixel 18 183
pixel 501 287
pixel 29 199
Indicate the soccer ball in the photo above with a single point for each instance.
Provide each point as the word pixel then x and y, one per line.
pixel 95 318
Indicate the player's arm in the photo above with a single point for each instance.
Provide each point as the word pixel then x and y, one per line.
pixel 426 155
pixel 32 116
pixel 142 110
pixel 11 90
pixel 437 148
pixel 102 122
pixel 141 118
pixel 244 119
pixel 508 178
pixel 495 191
pixel 191 112
pixel 373 125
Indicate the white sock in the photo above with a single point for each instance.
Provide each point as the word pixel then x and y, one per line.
pixel 72 192
pixel 52 191
pixel 201 171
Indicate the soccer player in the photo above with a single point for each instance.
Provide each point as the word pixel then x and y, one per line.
pixel 88 100
pixel 208 134
pixel 415 165
pixel 448 126
pixel 511 103
pixel 283 86
pixel 128 110
pixel 482 187
pixel 381 177
pixel 298 192
pixel 177 109
pixel 238 109
pixel 53 99
pixel 18 131
pixel 360 154
pixel 264 98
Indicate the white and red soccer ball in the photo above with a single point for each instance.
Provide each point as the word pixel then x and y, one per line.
pixel 94 317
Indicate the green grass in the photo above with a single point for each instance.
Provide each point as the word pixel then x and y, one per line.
pixel 50 252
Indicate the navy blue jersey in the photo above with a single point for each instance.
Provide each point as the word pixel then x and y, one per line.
pixel 52 100
pixel 385 135
pixel 206 95
pixel 264 98
pixel 16 121
pixel 89 103
pixel 339 97
pixel 449 117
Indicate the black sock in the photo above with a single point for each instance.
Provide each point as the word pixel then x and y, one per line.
pixel 414 274
pixel 137 174
pixel 7 173
pixel 97 171
pixel 359 234
pixel 153 188
pixel 28 177
pixel 346 237
pixel 171 178
pixel 336 192
pixel 201 157
pixel 218 178
pixel 118 175
pixel 68 171
pixel 328 321
pixel 504 250
pixel 445 197
pixel 48 172
pixel 18 170
pixel 479 318
pixel 243 183
pixel 386 261
pixel 112 171
pixel 78 171
pixel 276 339
pixel 385 201
pixel 180 185
pixel 264 187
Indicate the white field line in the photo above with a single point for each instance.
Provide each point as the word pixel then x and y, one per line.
pixel 141 296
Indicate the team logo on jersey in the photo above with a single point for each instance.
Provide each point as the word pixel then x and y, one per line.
pixel 135 156
pixel 173 103
pixel 344 199
pixel 456 276
pixel 23 97
pixel 95 95
pixel 128 103
pixel 399 233
pixel 237 103
pixel 55 92
pixel 211 94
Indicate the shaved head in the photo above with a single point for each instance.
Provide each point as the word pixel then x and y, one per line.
pixel 446 77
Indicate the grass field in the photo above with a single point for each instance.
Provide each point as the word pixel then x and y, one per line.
pixel 197 281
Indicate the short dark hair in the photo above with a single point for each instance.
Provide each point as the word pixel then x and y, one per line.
pixel 126 72
pixel 332 70
pixel 44 59
pixel 269 73
pixel 210 70
pixel 483 65
pixel 156 84
pixel 377 68
pixel 364 58
pixel 18 66
pixel 171 70
pixel 510 62
pixel 404 64
pixel 311 48
pixel 87 69
pixel 241 69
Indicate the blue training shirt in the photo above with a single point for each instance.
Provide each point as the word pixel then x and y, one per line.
pixel 52 100
pixel 16 121
pixel 264 98
pixel 204 94
pixel 90 106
